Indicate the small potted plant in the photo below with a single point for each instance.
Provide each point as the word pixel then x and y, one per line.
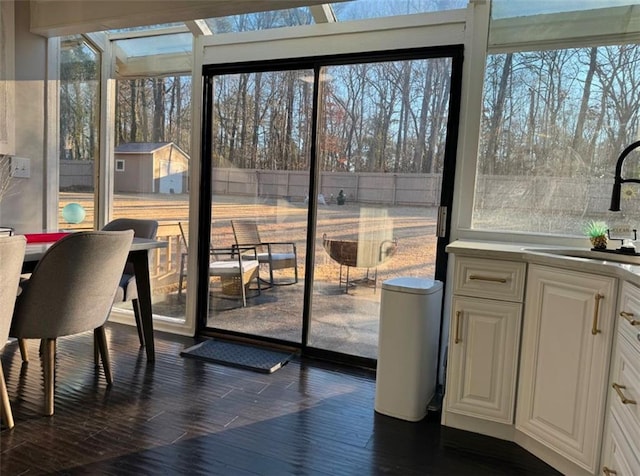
pixel 597 233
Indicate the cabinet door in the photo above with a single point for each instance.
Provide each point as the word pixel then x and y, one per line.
pixel 483 358
pixel 566 344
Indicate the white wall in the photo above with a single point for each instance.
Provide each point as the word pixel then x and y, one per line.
pixel 24 209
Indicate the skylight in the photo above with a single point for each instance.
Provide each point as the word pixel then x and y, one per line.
pixel 261 20
pixel 156 45
pixel 366 9
pixel 522 8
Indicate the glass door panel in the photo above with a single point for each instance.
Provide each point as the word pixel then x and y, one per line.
pixel 150 178
pixel 261 129
pixel 381 141
pixel 79 121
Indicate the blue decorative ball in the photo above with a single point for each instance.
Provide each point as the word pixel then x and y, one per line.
pixel 73 213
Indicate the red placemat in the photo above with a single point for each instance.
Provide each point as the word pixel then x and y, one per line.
pixel 44 237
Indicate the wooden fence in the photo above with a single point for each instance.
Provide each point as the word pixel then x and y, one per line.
pixel 575 194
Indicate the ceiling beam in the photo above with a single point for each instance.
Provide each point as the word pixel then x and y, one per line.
pixel 323 13
pixel 199 27
pixel 66 17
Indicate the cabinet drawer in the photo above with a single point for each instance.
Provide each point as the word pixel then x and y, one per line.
pixel 629 314
pixel 625 399
pixel 492 279
pixel 618 457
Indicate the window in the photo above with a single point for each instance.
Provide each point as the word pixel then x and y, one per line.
pixel 79 126
pixel 554 121
pixel 119 165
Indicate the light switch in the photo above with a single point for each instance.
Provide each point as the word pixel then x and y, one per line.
pixel 20 167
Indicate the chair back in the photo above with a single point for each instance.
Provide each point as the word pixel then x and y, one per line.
pixel 72 287
pixel 246 233
pixel 11 258
pixel 141 229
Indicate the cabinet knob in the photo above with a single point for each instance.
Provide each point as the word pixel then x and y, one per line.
pixel 619 388
pixel 493 279
pixel 630 318
pixel 596 312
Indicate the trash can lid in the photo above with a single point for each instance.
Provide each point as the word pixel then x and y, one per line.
pixel 412 285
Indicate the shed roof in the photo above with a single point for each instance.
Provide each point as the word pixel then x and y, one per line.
pixel 141 147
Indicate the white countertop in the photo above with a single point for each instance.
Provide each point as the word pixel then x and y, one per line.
pixel 579 259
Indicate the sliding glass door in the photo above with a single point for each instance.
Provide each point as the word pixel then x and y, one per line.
pixel 382 139
pixel 347 162
pixel 260 158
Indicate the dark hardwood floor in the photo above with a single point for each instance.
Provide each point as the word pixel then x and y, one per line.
pixel 181 416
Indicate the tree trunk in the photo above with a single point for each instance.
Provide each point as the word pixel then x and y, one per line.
pixel 495 123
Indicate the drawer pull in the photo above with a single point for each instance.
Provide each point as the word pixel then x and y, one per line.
pixel 619 388
pixel 607 472
pixel 596 312
pixel 458 339
pixel 478 277
pixel 629 317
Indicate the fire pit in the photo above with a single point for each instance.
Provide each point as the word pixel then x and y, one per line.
pixel 359 254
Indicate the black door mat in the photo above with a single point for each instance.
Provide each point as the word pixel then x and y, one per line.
pixel 238 355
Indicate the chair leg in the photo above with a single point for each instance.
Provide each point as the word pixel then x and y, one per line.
pixel 182 258
pixel 136 313
pixel 346 287
pixel 5 405
pixel 101 338
pixel 271 281
pixel 23 350
pixel 96 351
pixel 244 290
pixel 49 366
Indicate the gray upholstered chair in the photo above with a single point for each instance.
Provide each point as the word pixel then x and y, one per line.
pixel 277 255
pixel 71 291
pixel 11 257
pixel 127 289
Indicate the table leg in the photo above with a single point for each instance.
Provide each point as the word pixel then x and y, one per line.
pixel 140 260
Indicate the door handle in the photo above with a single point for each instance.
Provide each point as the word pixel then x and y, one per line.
pixel 441 225
pixel 457 338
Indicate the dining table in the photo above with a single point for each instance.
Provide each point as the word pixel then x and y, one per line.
pixel 37 245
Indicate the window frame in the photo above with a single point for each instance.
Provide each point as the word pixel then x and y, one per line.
pixel 471 123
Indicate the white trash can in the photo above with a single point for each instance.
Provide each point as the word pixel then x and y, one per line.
pixel 408 347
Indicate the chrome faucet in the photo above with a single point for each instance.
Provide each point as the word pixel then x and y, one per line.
pixel 617 185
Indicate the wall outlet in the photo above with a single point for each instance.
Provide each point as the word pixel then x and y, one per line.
pixel 20 167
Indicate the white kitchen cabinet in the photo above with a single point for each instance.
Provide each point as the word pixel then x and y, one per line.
pixel 621 450
pixel 484 338
pixel 483 358
pixel 567 335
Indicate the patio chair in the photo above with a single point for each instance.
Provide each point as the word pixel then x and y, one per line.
pixel 235 268
pixel 277 255
pixel 11 256
pixel 71 291
pixel 183 258
pixel 127 289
